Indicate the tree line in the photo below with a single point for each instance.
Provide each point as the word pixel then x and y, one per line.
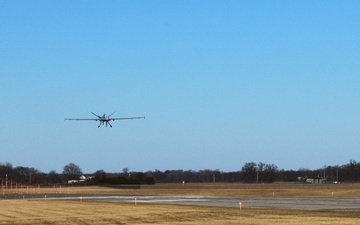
pixel 250 172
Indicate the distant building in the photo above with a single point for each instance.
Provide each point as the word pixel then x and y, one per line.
pixel 316 180
pixel 82 178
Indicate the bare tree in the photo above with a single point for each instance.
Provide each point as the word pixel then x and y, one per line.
pixel 249 171
pixel 100 174
pixel 260 170
pixel 53 177
pixel 6 169
pixel 72 171
pixel 125 171
pixel 270 172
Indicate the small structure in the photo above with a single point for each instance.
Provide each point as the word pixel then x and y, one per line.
pixel 316 180
pixel 82 178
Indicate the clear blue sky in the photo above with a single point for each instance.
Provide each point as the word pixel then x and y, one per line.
pixel 221 83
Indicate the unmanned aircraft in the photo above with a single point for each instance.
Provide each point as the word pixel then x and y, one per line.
pixel 106 119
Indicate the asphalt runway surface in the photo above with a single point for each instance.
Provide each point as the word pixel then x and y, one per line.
pixel 299 203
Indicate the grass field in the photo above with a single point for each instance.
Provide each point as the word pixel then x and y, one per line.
pixel 27 211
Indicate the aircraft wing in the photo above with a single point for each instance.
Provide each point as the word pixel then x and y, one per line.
pixel 128 118
pixel 80 119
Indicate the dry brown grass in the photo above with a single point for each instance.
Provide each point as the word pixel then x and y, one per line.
pixel 27 211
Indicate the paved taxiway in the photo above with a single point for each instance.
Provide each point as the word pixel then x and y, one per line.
pixel 301 203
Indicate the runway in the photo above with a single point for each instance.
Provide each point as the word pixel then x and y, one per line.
pixel 296 203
